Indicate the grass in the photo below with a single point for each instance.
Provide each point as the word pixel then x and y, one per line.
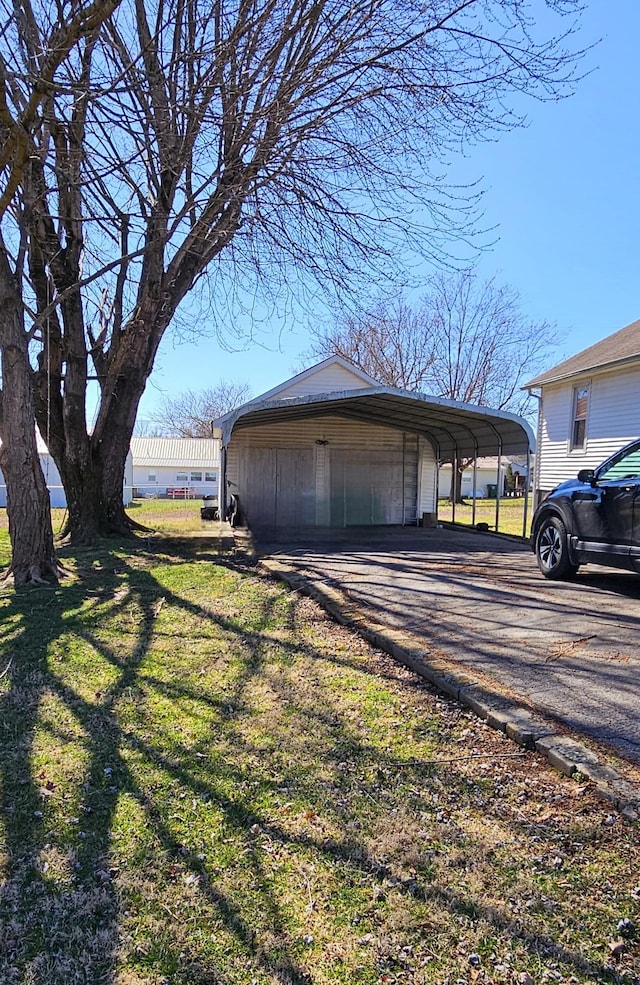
pixel 204 780
pixel 172 516
pixel 510 516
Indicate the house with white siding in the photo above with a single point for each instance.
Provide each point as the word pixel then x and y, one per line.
pixel 57 496
pixel 487 476
pixel 177 468
pixel 589 408
pixel 333 448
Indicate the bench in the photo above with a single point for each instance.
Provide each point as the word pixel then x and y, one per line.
pixel 182 492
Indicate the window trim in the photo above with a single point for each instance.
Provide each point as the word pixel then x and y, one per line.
pixel 580 391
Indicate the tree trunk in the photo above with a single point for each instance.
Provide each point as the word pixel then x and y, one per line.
pixel 33 557
pixel 95 505
pixel 455 492
pixel 94 483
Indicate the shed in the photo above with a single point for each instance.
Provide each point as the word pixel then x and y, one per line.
pixel 362 455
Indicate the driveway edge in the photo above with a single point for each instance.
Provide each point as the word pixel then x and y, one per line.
pixel 527 729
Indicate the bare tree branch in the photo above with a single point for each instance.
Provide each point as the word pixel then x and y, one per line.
pixel 190 414
pixel 255 142
pixel 466 340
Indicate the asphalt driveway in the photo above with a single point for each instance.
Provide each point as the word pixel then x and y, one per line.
pixel 475 600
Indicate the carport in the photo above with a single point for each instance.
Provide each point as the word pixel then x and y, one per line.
pixel 299 455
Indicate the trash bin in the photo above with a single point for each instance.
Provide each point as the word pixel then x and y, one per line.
pixel 210 510
pixel 492 490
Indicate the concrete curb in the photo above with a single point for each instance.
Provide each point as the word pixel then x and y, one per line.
pixel 527 729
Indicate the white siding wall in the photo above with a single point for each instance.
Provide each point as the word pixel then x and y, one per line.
pixel 324 381
pixel 428 474
pixel 613 420
pixel 167 477
pixel 52 478
pixel 57 495
pixel 127 491
pixel 485 476
pixel 166 457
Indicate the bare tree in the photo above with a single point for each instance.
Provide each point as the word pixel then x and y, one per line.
pixel 391 341
pixel 191 414
pixel 33 556
pixel 483 345
pixel 21 98
pixel 242 140
pixel 467 340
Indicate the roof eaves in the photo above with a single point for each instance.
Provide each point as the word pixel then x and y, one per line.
pixel 465 413
pixel 552 377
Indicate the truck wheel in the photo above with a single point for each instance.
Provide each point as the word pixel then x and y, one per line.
pixel 552 550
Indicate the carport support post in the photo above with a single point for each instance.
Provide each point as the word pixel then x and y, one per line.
pixel 454 486
pixel 222 494
pixel 475 486
pixel 498 484
pixel 437 483
pixel 526 493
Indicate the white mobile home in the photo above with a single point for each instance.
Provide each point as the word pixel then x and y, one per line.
pixel 488 478
pixel 589 408
pixel 54 482
pixel 178 468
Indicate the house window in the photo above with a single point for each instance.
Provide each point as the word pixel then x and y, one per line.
pixel 182 477
pixel 196 476
pixel 151 477
pixel 210 477
pixel 580 411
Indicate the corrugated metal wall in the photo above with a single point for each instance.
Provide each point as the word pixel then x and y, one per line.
pixel 325 381
pixel 326 472
pixel 428 479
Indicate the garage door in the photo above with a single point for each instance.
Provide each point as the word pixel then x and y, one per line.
pixel 278 486
pixel 331 484
pixel 374 486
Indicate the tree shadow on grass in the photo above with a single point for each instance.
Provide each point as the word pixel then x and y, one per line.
pixel 104 783
pixel 61 902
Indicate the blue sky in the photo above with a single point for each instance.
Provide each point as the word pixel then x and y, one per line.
pixel 564 195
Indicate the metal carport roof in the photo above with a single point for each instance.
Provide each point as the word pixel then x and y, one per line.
pixel 455 429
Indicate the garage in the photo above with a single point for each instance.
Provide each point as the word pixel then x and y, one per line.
pixel 279 484
pixel 328 472
pixel 363 456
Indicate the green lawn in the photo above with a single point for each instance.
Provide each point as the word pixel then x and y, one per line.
pixel 510 516
pixel 204 780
